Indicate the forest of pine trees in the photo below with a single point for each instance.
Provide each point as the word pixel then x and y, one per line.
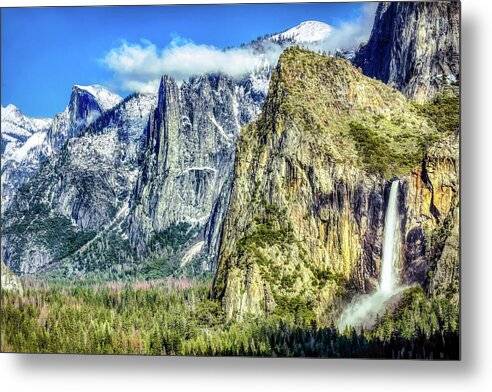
pixel 176 317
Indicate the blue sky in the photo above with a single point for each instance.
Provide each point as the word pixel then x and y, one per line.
pixel 47 50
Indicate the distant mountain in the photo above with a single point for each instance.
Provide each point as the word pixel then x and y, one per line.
pixel 81 188
pixel 306 32
pixel 104 98
pixel 23 148
pixel 27 142
pixel 17 128
pixel 86 104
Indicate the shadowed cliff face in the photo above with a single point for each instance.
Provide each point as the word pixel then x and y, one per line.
pixel 311 184
pixel 414 46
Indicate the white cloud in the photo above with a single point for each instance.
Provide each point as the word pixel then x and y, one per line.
pixel 139 66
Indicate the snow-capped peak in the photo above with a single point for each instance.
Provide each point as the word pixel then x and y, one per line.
pixel 9 108
pixel 105 98
pixel 34 142
pixel 11 113
pixel 305 32
pixel 15 122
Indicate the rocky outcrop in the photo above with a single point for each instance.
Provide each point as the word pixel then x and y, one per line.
pixel 32 141
pixel 86 104
pixel 189 157
pixel 9 281
pixel 311 183
pixel 97 171
pixel 414 47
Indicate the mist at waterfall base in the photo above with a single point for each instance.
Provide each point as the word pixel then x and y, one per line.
pixel 363 311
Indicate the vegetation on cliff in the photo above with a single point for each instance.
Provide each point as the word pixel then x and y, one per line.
pixel 353 119
pixel 305 221
pixel 443 110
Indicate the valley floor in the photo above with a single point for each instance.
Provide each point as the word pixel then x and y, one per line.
pixel 176 317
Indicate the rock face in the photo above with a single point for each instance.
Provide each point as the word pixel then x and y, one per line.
pixel 189 158
pixel 311 183
pixel 27 143
pixel 86 104
pixel 80 190
pixel 414 47
pixel 432 220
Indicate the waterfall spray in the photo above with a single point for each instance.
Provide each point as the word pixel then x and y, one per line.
pixel 365 309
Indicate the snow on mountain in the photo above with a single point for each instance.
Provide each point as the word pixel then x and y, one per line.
pixel 27 142
pixel 14 120
pixel 17 128
pixel 35 141
pixel 105 98
pixel 86 105
pixel 19 164
pixel 22 148
pixel 306 32
pixel 134 115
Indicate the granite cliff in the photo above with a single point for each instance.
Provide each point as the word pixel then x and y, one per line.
pixel 414 47
pixel 311 181
pixel 185 177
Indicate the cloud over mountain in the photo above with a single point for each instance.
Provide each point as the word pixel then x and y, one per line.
pixel 139 66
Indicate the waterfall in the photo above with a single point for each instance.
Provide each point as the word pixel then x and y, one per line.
pixel 364 310
pixel 390 242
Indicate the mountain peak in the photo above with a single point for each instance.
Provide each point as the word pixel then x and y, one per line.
pixel 10 113
pixel 104 97
pixel 13 115
pixel 10 108
pixel 307 31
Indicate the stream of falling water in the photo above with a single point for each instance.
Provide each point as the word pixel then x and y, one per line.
pixel 390 242
pixel 365 309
